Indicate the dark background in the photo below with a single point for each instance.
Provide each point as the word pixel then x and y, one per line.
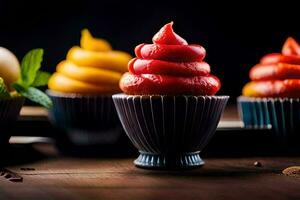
pixel 235 35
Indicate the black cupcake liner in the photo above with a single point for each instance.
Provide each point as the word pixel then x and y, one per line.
pixel 169 131
pixel 85 119
pixel 9 112
pixel 281 114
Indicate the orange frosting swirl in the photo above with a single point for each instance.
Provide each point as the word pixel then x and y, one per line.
pixel 277 74
pixel 93 68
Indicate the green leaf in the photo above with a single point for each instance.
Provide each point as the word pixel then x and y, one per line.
pixel 41 79
pixel 34 95
pixel 31 63
pixel 4 94
pixel 31 77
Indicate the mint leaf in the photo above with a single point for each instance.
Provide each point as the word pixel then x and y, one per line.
pixel 31 77
pixel 4 94
pixel 31 63
pixel 34 95
pixel 41 79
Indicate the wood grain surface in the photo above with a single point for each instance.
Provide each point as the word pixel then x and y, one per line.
pixel 57 177
pixel 46 175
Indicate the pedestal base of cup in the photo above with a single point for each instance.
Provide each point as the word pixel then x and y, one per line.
pixel 177 161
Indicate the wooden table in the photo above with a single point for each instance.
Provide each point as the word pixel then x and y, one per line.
pixel 229 172
pixel 50 176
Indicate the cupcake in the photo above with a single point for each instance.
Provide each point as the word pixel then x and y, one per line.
pixel 271 99
pixel 9 106
pixel 17 83
pixel 81 90
pixel 168 108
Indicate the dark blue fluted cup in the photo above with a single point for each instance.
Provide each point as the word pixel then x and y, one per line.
pixel 169 131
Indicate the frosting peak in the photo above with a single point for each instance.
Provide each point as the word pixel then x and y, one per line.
pixel 166 35
pixel 291 47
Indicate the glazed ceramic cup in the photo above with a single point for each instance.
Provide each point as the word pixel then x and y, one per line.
pixel 169 131
pixel 9 112
pixel 281 114
pixel 87 120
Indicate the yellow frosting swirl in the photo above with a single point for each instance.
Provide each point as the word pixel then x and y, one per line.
pixel 92 68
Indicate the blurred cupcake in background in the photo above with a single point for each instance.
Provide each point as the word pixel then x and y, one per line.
pixel 272 96
pixel 10 105
pixel 169 109
pixel 17 83
pixel 81 90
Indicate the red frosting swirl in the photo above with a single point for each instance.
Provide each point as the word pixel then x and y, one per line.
pixel 277 74
pixel 169 66
pixel 276 66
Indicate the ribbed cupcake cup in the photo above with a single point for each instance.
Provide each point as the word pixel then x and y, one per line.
pixel 281 114
pixel 169 131
pixel 9 112
pixel 87 120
